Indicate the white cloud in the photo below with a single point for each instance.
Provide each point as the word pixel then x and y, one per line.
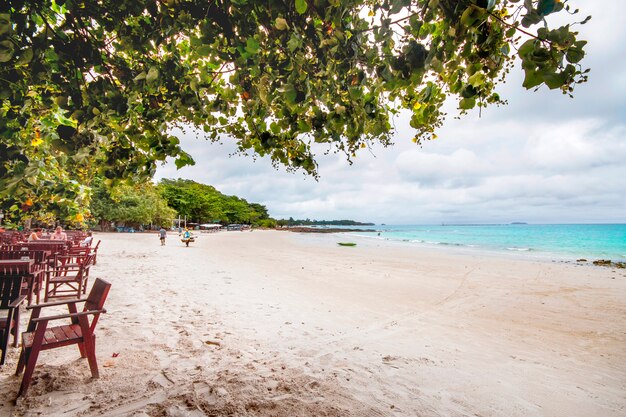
pixel 462 168
pixel 573 146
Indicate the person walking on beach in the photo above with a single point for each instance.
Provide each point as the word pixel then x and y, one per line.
pixel 162 235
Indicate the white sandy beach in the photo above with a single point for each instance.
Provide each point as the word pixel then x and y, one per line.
pixel 270 323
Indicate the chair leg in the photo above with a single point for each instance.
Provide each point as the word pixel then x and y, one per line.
pixel 90 348
pixel 39 283
pixel 81 348
pixel 28 373
pixel 31 283
pixel 45 293
pixel 4 344
pixel 30 356
pixel 20 363
pixel 16 328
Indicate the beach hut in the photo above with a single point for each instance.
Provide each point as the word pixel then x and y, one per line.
pixel 210 227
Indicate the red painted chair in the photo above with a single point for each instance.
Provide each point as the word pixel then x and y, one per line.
pixel 68 277
pixel 10 300
pixel 26 268
pixel 80 331
pixel 94 252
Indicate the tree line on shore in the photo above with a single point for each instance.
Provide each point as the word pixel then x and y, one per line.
pixel 148 204
pixel 160 204
pixel 308 222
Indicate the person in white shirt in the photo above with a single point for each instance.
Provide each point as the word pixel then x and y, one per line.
pixel 87 241
pixel 35 235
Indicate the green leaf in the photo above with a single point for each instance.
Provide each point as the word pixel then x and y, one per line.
pixel 295 41
pixel 290 94
pixel 527 48
pixel 532 79
pixel 574 55
pixel 5 23
pixel 153 74
pixel 252 46
pixel 467 103
pixel 66 121
pixel 25 57
pixel 303 126
pixel 355 93
pixel 301 6
pixel 281 24
pixel 545 7
pixel 397 6
pixel 531 18
pixel 183 160
pixel 7 49
pixel 477 79
pixel 204 50
pixel 141 76
pixel 554 80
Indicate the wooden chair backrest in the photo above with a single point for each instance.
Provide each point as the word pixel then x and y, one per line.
pixel 53 246
pixel 37 255
pixel 86 260
pixel 10 286
pixel 96 298
pixel 17 268
pixel 98 295
pixel 14 254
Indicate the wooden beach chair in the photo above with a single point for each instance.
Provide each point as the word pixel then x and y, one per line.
pixel 79 332
pixel 27 269
pixel 68 277
pixel 10 301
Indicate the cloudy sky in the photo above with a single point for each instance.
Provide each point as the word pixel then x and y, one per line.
pixel 544 158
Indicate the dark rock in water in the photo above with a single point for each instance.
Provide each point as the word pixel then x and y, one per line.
pixel 581 260
pixel 607 262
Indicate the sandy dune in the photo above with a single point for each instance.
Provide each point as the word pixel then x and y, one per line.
pixel 282 324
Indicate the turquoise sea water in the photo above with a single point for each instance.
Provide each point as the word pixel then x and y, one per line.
pixel 564 241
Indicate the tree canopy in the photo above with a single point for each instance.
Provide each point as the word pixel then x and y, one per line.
pixel 202 203
pixel 134 205
pixel 94 87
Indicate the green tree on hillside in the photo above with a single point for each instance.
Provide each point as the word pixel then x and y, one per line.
pixel 204 204
pixel 132 205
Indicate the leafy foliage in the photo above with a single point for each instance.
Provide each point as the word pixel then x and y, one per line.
pixel 94 86
pixel 204 204
pixel 133 205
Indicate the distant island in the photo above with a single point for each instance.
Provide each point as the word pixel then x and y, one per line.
pixel 519 223
pixel 308 222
